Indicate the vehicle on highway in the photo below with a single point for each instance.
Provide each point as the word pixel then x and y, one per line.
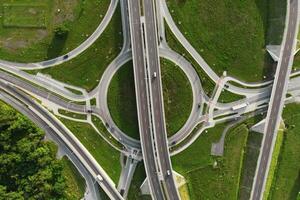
pixel 99 178
pixel 168 172
pixel 154 75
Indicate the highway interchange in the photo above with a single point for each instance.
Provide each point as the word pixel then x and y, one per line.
pixel 141 44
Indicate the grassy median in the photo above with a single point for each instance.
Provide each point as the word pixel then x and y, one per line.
pixel 231 35
pixel 29 31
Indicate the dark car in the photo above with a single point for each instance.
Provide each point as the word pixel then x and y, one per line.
pixel 66 57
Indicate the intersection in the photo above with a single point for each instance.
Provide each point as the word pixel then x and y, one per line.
pixel 143 43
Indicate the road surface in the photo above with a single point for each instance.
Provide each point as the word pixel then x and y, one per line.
pixel 156 101
pixel 141 88
pixel 277 102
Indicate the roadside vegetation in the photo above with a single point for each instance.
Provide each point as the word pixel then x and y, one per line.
pixel 76 183
pixel 37 30
pixel 28 165
pixel 72 114
pixel 286 181
pixel 87 68
pixel 232 35
pixel 296 64
pixel 214 177
pixel 251 154
pixel 105 155
pixel 137 180
pixel 227 97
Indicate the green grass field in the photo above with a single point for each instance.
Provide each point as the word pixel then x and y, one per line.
pixel 231 35
pixel 176 91
pixel 178 96
pixel 86 69
pixel 24 16
pixel 75 182
pixel 196 164
pixel 105 155
pixel 27 32
pixel 121 101
pixel 286 182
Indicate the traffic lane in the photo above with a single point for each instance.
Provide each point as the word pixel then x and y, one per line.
pixel 277 97
pixel 29 102
pixel 160 131
pixel 142 101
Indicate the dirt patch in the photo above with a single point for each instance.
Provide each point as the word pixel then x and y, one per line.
pixel 64 11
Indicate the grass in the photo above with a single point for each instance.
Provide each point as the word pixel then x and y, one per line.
pixel 231 35
pixel 184 192
pixel 24 16
pixel 196 164
pixel 102 129
pixel 86 69
pixel 274 162
pixel 227 97
pixel 93 102
pixel 31 36
pixel 105 155
pixel 286 182
pixel 75 182
pixel 296 64
pixel 207 84
pixel 122 101
pixel 178 96
pixel 137 180
pixel 72 114
pixel 249 164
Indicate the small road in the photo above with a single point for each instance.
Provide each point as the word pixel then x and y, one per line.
pixel 156 101
pixel 83 154
pixel 141 89
pixel 75 52
pixel 277 101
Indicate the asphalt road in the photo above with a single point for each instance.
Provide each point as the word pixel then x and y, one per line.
pixel 158 117
pixel 140 77
pixel 28 101
pixel 276 106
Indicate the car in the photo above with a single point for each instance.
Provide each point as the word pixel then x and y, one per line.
pixel 154 74
pixel 89 111
pixel 66 57
pixel 99 178
pixel 168 172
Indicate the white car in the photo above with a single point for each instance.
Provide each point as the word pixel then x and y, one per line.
pixel 99 178
pixel 154 75
pixel 168 172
